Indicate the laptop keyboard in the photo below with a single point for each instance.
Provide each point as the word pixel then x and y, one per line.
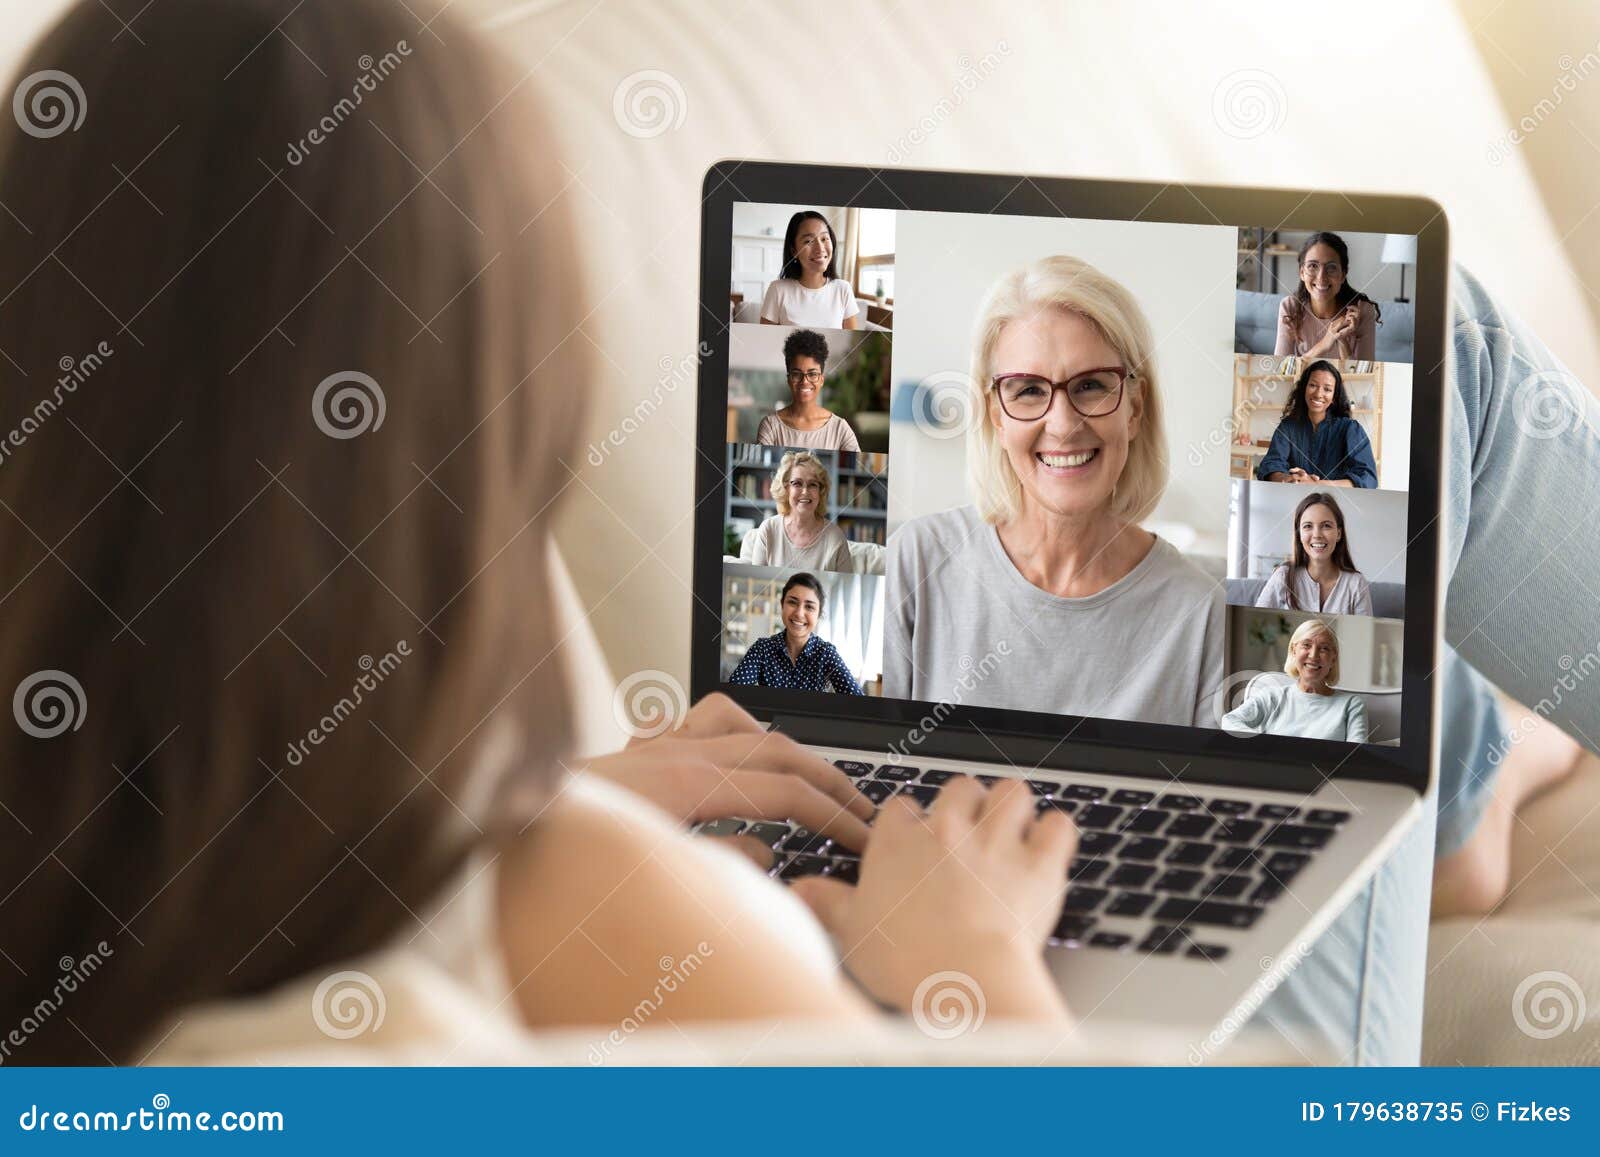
pixel 1194 865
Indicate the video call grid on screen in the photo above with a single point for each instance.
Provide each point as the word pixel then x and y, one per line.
pixel 1276 369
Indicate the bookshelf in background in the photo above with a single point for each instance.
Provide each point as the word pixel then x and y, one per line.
pixel 858 489
pixel 1261 387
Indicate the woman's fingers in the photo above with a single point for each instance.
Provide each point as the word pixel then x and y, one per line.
pixel 717 715
pixel 1053 839
pixel 773 796
pixel 757 852
pixel 1007 811
pixel 772 752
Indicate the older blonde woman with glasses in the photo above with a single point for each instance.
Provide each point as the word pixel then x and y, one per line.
pixel 1066 455
pixel 800 536
pixel 1308 707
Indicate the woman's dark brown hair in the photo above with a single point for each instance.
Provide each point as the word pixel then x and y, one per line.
pixel 1299 560
pixel 287 398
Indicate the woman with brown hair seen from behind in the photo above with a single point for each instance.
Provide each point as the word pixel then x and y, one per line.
pixel 276 613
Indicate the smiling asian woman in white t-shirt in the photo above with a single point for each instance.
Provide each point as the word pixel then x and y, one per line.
pixel 808 292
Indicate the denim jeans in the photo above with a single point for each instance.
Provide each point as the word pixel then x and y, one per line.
pixel 1522 512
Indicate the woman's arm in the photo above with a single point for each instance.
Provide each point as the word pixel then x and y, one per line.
pixel 1274 465
pixel 1362 604
pixel 1357 468
pixel 900 592
pixel 1365 338
pixel 1251 716
pixel 839 556
pixel 847 439
pixel 760 546
pixel 748 672
pixel 1355 720
pixel 1284 346
pixel 839 676
pixel 1275 591
pixel 604 899
pixel 771 313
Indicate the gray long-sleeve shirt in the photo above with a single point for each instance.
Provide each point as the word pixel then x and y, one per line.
pixel 965 627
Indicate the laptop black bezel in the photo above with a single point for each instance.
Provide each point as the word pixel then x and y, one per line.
pixel 1060 741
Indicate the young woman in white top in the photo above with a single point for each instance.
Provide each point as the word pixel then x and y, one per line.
pixel 808 290
pixel 1320 575
pixel 799 536
pixel 804 421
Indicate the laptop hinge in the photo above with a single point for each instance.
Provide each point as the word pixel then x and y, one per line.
pixel 1033 751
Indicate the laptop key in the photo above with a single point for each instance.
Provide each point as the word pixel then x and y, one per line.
pixel 988 780
pixel 1163 940
pixel 805 841
pixel 1144 822
pixel 1110 940
pixel 1129 904
pixel 1190 854
pixel 1190 826
pixel 1178 880
pixel 1099 816
pixel 854 768
pixel 1087 792
pixel 1326 816
pixel 875 789
pixel 1043 786
pixel 1072 927
pixel 1132 798
pixel 1182 911
pixel 1182 803
pixel 847 870
pixel 722 827
pixel 1097 843
pixel 1228 886
pixel 769 833
pixel 1207 951
pixel 1144 848
pixel 1082 898
pixel 1297 836
pixel 1228 807
pixel 1234 858
pixel 1266 892
pixel 1285 865
pixel 896 774
pixel 1087 870
pixel 1045 803
pixel 1131 875
pixel 923 794
pixel 1232 831
pixel 938 777
pixel 1277 811
pixel 803 865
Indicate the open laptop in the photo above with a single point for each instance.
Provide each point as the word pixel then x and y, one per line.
pixel 1243 723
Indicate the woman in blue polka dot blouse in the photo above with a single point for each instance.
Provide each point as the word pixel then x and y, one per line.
pixel 795 658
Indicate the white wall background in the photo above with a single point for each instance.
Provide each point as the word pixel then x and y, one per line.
pixel 1375 526
pixel 1183 277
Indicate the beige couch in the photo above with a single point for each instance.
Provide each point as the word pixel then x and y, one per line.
pixel 1522 985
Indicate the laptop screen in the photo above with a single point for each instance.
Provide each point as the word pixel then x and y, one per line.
pixel 1132 470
